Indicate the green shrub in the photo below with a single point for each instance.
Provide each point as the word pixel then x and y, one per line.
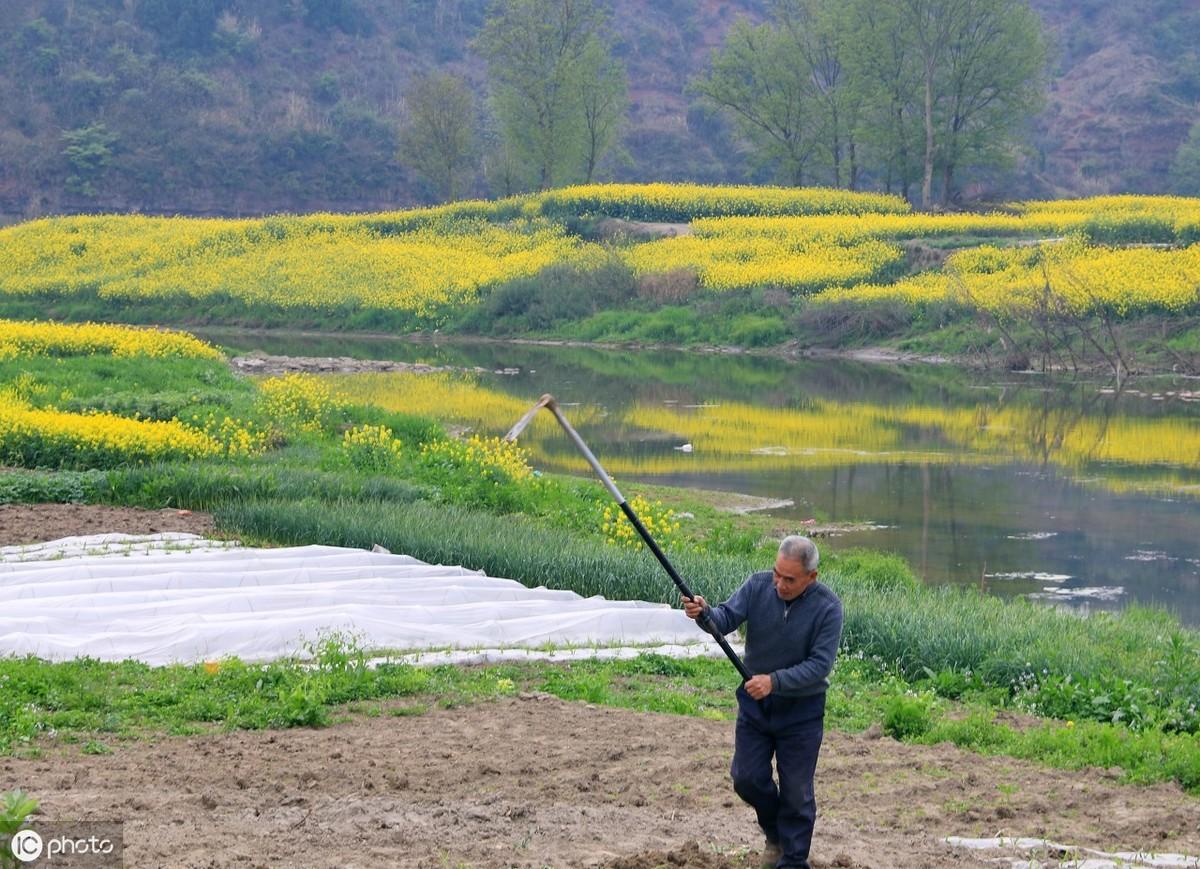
pixel 751 330
pixel 833 324
pixel 669 325
pixel 907 716
pixel 880 570
pixel 50 487
pixel 371 449
pixel 554 295
pixel 1128 228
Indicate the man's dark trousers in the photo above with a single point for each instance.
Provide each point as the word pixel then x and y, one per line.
pixel 790 728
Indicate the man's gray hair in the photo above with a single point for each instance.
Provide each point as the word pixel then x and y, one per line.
pixel 797 548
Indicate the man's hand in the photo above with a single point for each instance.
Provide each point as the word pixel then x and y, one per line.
pixel 693 607
pixel 759 687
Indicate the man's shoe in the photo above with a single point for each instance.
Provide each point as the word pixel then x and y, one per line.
pixel 772 851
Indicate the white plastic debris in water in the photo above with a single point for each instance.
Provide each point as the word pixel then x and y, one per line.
pixel 1031 574
pixel 179 598
pixel 1087 592
pixel 1073 856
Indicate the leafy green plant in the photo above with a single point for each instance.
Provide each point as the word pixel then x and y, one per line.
pixel 908 716
pixel 15 809
pixel 371 448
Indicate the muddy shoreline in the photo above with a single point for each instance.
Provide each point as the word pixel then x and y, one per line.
pixel 786 351
pixel 789 352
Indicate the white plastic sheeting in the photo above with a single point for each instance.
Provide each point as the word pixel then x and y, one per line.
pixel 179 598
pixel 1073 856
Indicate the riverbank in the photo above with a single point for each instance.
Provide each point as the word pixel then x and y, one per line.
pixel 1107 283
pixel 259 363
pixel 286 460
pixel 1145 345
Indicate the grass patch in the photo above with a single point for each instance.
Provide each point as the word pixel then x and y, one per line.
pixel 90 704
pixel 744 319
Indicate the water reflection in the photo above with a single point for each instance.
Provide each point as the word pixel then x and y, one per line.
pixel 1018 485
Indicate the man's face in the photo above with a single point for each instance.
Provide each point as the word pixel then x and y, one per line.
pixel 791 579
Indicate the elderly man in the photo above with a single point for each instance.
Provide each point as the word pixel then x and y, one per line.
pixel 793 626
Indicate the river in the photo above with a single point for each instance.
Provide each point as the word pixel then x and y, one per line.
pixel 1066 491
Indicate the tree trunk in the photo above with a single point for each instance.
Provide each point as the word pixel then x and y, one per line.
pixel 591 159
pixel 854 166
pixel 927 182
pixel 798 175
pixel 837 152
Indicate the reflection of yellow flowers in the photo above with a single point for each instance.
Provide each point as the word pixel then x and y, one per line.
pixel 455 398
pixel 737 436
pixel 19 338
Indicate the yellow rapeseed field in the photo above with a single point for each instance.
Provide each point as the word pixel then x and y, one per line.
pixel 50 438
pixel 795 263
pixel 27 338
pixel 429 264
pixel 302 402
pixel 1080 277
pixel 684 202
pixel 321 261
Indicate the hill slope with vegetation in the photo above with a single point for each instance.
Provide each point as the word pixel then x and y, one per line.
pixel 224 107
pixel 1055 283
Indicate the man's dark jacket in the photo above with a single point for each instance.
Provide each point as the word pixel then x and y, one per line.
pixel 794 641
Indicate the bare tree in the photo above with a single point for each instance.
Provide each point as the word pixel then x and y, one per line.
pixel 439 138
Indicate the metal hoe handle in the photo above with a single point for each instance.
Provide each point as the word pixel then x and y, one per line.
pixel 547 401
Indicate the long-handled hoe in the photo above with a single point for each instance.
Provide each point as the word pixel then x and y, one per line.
pixel 547 401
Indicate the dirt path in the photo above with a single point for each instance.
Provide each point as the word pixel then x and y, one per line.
pixel 535 781
pixel 33 523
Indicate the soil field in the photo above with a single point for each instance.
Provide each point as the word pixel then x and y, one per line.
pixel 21 524
pixel 535 781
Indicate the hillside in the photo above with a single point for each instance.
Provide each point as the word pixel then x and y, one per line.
pixel 767 267
pixel 224 107
pixel 1124 90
